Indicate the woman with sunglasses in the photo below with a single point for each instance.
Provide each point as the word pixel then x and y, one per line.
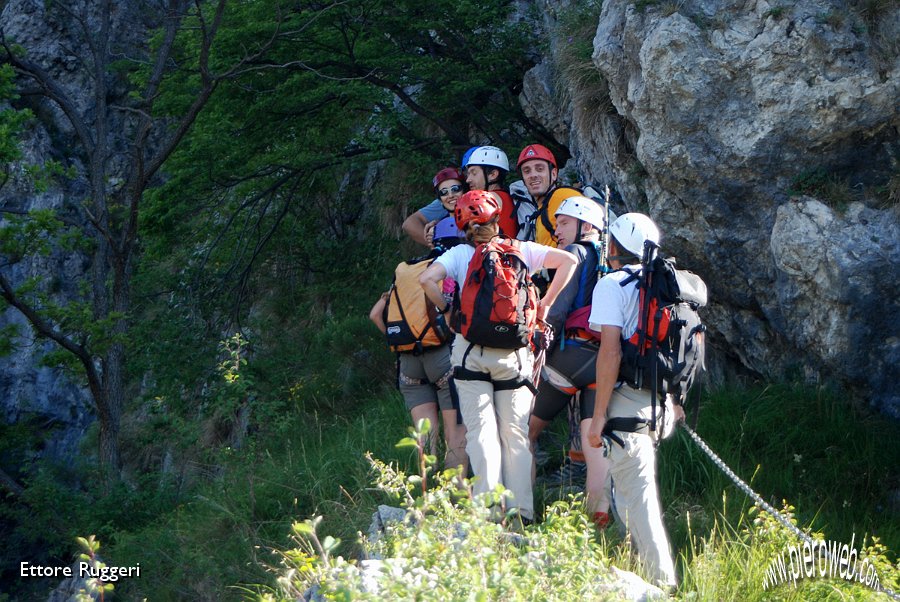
pixel 449 185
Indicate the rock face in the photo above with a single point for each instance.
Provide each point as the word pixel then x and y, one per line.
pixel 51 401
pixel 58 405
pixel 722 113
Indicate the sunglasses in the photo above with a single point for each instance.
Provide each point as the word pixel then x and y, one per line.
pixel 452 190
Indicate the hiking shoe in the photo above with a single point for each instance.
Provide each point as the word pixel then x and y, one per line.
pixel 570 475
pixel 602 520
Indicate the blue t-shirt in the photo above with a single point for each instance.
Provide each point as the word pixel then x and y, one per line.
pixel 434 211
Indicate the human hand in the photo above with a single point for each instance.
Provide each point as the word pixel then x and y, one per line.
pixel 542 311
pixel 429 233
pixel 595 432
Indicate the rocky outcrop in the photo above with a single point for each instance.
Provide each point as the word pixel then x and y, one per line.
pixel 55 402
pixel 722 113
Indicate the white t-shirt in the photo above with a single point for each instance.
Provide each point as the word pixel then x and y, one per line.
pixel 456 260
pixel 615 305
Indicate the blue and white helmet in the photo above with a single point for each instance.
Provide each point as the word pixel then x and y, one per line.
pixel 466 155
pixel 490 156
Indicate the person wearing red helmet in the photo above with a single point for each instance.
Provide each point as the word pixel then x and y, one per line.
pixel 495 414
pixel 538 168
pixel 449 185
pixel 539 194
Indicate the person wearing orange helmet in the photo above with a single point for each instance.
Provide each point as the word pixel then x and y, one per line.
pixel 449 184
pixel 495 406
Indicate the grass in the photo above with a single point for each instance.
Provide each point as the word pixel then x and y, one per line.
pixel 828 187
pixel 229 537
pixel 782 436
pixel 580 82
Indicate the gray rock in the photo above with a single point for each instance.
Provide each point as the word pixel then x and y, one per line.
pixel 631 587
pixel 381 520
pixel 718 109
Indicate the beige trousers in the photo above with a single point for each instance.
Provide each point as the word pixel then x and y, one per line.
pixel 497 420
pixel 633 471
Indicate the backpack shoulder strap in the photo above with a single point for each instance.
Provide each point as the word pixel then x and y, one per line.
pixel 632 276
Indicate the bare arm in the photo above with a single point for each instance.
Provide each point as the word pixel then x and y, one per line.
pixel 375 314
pixel 608 359
pixel 431 281
pixel 416 227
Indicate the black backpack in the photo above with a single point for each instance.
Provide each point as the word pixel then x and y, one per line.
pixel 666 352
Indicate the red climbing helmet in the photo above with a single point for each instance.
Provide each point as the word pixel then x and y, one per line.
pixel 476 206
pixel 536 151
pixel 448 173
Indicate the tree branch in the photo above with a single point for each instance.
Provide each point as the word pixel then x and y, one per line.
pixel 51 90
pixel 47 330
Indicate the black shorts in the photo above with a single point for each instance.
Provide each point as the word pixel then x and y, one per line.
pixel 576 363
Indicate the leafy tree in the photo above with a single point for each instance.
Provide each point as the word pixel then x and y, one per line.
pixel 119 144
pixel 274 169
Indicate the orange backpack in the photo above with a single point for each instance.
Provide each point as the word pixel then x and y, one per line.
pixel 412 322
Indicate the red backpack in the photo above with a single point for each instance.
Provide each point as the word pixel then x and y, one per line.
pixel 498 305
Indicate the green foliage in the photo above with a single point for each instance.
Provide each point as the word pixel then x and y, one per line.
pixel 11 121
pixel 823 185
pixel 776 12
pixel 269 179
pixel 451 546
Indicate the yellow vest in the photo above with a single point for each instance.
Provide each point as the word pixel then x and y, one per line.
pixel 543 233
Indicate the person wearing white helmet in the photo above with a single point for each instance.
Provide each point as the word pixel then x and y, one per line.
pixel 570 366
pixel 630 449
pixel 486 169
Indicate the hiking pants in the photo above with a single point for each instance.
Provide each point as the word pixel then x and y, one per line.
pixel 633 470
pixel 496 419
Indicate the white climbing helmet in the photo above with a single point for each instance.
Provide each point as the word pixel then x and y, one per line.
pixel 490 156
pixel 584 209
pixel 632 229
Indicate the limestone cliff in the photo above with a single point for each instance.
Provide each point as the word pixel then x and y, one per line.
pixel 715 117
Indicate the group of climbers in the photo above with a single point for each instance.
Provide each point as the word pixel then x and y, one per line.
pixel 487 241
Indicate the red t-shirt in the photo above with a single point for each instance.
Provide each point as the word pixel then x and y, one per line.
pixel 509 225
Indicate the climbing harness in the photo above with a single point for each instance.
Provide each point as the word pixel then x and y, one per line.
pixel 758 499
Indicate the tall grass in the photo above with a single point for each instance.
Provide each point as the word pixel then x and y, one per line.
pixel 724 545
pixel 225 540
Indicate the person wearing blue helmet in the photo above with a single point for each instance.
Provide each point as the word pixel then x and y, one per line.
pixel 466 156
